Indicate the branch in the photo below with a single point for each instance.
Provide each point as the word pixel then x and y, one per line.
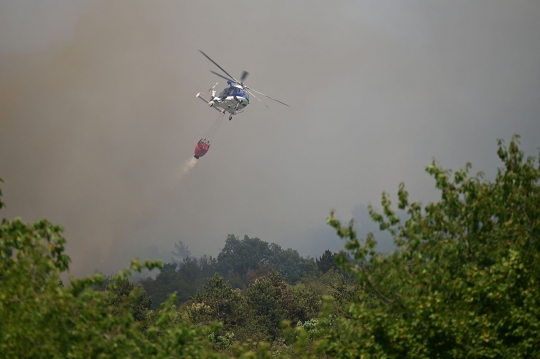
pixel 374 288
pixel 403 305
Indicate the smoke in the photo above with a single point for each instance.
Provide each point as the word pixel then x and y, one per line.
pixel 96 122
pixel 91 128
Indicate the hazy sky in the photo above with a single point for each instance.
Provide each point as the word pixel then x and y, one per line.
pixel 98 113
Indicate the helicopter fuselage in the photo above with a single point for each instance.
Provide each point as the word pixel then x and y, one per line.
pixel 232 99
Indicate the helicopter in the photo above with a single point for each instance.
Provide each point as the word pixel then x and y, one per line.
pixel 232 99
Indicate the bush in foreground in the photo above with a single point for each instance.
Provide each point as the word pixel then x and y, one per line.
pixel 464 280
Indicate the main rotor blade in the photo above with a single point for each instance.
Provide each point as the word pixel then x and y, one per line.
pixel 220 75
pixel 244 76
pixel 221 68
pixel 260 93
pixel 252 94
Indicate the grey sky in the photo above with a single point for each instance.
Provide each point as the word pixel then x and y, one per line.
pixel 98 113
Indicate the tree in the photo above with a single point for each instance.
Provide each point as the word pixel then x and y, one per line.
pixel 126 294
pixel 301 304
pixel 240 260
pixel 219 302
pixel 182 251
pixel 289 263
pixel 264 297
pixel 239 256
pixel 326 261
pixel 41 318
pixel 166 282
pixel 463 281
pixel 273 301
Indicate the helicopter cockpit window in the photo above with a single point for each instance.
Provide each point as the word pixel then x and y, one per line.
pixel 226 92
pixel 240 92
pixel 234 91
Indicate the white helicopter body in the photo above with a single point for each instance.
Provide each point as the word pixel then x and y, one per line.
pixel 232 99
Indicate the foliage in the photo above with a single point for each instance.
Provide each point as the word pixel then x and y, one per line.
pixel 182 250
pixel 310 326
pixel 464 280
pixel 238 257
pixel 256 315
pixel 219 302
pixel 221 342
pixel 300 303
pixel 324 284
pixel 463 283
pixel 41 318
pixel 182 278
pixel 273 301
pixel 240 262
pixel 327 261
pixel 130 297
pixel 265 299
pixel 290 264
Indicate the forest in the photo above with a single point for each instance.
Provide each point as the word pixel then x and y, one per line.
pixel 461 283
pixel 240 263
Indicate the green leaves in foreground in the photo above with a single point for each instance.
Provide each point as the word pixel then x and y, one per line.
pixel 464 281
pixel 41 318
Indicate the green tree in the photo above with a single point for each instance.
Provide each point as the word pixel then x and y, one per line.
pixel 464 280
pixel 273 301
pixel 239 256
pixel 326 262
pixel 265 298
pixel 133 297
pixel 300 303
pixel 218 301
pixel 167 282
pixel 41 318
pixel 183 278
pixel 289 263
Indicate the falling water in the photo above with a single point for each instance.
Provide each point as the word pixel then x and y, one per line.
pixel 184 170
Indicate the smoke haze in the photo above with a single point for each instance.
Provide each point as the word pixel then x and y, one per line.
pixel 98 114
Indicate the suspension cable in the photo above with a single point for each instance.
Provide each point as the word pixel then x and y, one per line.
pixel 209 133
